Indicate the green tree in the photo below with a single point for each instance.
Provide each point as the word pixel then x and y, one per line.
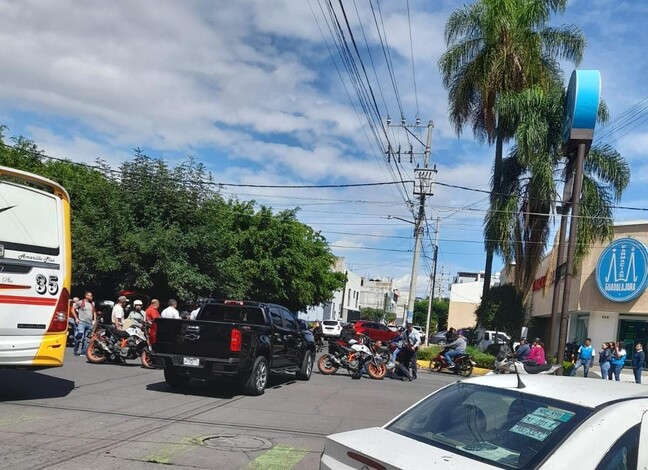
pixel 438 315
pixel 165 231
pixel 496 47
pixel 502 310
pixel 524 213
pixel 372 314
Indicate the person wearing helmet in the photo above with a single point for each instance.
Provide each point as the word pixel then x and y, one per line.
pixel 137 315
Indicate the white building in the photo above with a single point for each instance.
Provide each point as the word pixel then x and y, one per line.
pixel 465 297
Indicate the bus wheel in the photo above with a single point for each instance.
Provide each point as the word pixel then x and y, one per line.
pixel 95 354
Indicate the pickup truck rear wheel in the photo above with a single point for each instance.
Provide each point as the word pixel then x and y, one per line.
pixel 307 366
pixel 174 380
pixel 258 379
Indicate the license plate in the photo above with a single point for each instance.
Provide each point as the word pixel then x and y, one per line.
pixel 191 361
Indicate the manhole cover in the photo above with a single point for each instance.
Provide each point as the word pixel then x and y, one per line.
pixel 235 442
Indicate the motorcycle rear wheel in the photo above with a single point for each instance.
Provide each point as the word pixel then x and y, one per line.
pixel 326 366
pixel 94 354
pixel 464 368
pixel 376 371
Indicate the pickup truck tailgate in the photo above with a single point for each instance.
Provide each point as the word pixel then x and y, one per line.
pixel 194 338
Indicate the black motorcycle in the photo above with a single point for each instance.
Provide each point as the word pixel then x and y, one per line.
pixel 571 351
pixel 119 345
pixel 353 356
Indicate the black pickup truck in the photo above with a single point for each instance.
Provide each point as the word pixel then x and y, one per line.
pixel 230 338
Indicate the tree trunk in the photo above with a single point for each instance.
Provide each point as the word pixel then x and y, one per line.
pixel 495 196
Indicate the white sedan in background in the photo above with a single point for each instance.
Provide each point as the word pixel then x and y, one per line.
pixel 488 422
pixel 331 328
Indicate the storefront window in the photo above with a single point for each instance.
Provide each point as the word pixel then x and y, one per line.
pixel 632 332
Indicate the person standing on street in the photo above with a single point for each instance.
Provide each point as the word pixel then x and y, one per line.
pixel 618 360
pixel 171 311
pixel 604 360
pixel 412 341
pixel 638 362
pixel 85 316
pixel 152 311
pixel 585 354
pixel 118 312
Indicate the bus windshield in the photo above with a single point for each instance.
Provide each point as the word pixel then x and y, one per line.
pixel 28 220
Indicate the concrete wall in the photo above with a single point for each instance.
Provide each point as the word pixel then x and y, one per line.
pixel 462 314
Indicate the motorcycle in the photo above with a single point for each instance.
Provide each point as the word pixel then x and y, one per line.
pixel 464 363
pixel 571 351
pixel 507 364
pixel 119 345
pixel 352 356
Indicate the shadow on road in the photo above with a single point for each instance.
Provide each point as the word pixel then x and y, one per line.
pixel 215 388
pixel 29 385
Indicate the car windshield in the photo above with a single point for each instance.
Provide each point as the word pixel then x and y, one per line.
pixel 502 427
pixel 330 322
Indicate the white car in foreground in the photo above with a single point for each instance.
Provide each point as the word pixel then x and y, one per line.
pixel 487 422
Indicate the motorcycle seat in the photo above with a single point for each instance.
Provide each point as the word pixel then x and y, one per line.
pixel 534 369
pixel 118 333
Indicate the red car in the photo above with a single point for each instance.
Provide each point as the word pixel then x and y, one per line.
pixel 375 331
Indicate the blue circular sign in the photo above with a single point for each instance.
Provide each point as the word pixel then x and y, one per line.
pixel 622 270
pixel 581 105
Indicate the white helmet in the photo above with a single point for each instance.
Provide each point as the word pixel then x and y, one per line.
pixel 137 302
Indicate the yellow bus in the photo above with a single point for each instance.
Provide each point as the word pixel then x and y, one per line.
pixel 35 270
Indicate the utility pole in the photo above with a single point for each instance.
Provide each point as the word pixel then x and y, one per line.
pixel 433 281
pixel 422 188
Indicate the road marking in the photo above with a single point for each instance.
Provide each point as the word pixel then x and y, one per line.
pixel 278 458
pixel 165 453
pixel 7 420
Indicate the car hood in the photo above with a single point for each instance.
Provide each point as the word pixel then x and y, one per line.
pixel 392 451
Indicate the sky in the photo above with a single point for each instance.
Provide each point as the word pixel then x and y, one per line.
pixel 256 90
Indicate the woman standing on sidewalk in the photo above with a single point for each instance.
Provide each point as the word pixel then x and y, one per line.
pixel 618 361
pixel 604 360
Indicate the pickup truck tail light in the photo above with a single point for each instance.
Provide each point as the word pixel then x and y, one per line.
pixel 153 333
pixel 236 340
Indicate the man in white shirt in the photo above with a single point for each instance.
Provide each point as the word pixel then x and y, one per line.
pixel 171 311
pixel 118 312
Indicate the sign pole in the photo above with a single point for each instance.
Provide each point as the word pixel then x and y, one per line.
pixel 571 250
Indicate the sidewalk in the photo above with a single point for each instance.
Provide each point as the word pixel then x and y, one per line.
pixel 626 374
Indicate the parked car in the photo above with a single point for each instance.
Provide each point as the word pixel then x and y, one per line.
pixel 486 422
pixel 376 331
pixel 243 340
pixel 332 328
pixel 421 331
pixel 438 338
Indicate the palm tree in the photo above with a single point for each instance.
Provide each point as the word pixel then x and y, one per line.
pixel 496 47
pixel 531 175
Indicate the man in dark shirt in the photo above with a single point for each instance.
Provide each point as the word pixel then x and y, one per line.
pixel 523 349
pixel 638 362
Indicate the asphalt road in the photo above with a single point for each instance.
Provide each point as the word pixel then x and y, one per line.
pixel 108 416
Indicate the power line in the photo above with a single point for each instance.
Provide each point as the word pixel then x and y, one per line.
pixel 409 25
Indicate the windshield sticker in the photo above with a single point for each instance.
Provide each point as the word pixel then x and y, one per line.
pixel 544 423
pixel 540 423
pixel 556 413
pixel 530 431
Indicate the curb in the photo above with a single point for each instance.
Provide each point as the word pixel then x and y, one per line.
pixel 476 370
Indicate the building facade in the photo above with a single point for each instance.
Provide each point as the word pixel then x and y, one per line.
pixel 608 299
pixel 465 297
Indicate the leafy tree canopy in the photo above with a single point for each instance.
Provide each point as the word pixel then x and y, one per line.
pixel 502 309
pixel 167 232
